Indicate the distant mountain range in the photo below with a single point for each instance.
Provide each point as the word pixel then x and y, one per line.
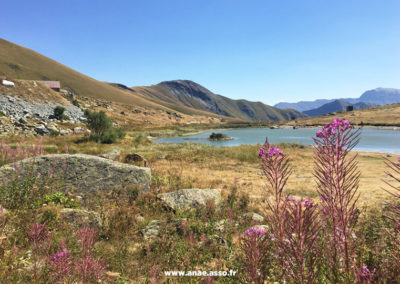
pixel 371 98
pixel 337 105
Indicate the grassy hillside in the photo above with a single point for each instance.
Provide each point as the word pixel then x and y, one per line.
pixel 22 63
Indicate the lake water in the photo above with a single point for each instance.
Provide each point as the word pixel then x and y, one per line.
pixel 372 140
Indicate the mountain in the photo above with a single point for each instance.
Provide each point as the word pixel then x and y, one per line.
pixel 18 62
pixel 378 96
pixel 381 96
pixel 303 105
pixel 22 63
pixel 337 105
pixel 185 93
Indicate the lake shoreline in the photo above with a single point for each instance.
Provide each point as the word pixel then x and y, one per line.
pixel 374 139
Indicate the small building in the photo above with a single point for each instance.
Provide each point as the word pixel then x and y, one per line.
pixel 7 83
pixel 55 85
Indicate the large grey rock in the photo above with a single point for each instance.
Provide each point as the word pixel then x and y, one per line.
pixel 188 198
pixel 85 174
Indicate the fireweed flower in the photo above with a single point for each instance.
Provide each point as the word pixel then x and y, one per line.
pixel 59 255
pixel 331 128
pixel 308 203
pixel 271 152
pixel 254 232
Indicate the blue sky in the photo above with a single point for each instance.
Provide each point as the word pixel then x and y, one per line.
pixel 260 50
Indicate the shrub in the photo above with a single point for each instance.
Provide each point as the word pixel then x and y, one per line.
pixel 112 135
pixel 59 113
pixel 218 136
pixel 58 198
pixel 101 126
pixel 98 122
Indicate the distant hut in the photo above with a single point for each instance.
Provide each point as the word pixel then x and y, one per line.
pixel 55 85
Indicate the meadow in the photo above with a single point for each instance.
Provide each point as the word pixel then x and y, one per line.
pixel 37 247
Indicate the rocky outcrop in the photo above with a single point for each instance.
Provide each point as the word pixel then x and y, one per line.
pixel 111 155
pixel 83 174
pixel 77 218
pixel 152 230
pixel 253 217
pixel 16 108
pixel 187 198
pixel 133 157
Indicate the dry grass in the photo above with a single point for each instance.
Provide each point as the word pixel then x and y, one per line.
pixel 202 166
pixel 384 115
pixel 221 173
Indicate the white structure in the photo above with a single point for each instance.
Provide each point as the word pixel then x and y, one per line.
pixel 8 83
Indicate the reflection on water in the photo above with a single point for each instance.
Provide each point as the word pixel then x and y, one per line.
pixel 372 140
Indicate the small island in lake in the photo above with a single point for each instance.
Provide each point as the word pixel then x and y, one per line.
pixel 219 137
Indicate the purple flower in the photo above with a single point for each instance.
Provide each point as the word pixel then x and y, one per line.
pixel 331 128
pixel 59 255
pixel 254 232
pixel 308 203
pixel 261 152
pixel 272 152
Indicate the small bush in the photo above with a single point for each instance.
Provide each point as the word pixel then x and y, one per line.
pixel 59 113
pixel 75 103
pixel 112 135
pixel 98 122
pixel 218 136
pixel 101 126
pixel 58 198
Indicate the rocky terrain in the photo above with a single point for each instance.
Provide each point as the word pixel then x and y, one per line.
pixel 19 116
pixel 17 108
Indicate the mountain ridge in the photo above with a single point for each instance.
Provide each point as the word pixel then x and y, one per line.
pixel 378 96
pixel 337 105
pixel 190 94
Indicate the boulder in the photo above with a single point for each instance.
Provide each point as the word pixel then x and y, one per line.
pixel 152 230
pixel 41 129
pixel 112 155
pixel 188 198
pixel 77 218
pixel 135 158
pixel 254 217
pixel 85 174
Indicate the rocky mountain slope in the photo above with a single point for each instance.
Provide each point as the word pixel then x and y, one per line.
pixel 303 105
pixel 381 96
pixel 337 105
pixel 185 93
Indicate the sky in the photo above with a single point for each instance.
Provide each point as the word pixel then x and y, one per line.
pixel 260 50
